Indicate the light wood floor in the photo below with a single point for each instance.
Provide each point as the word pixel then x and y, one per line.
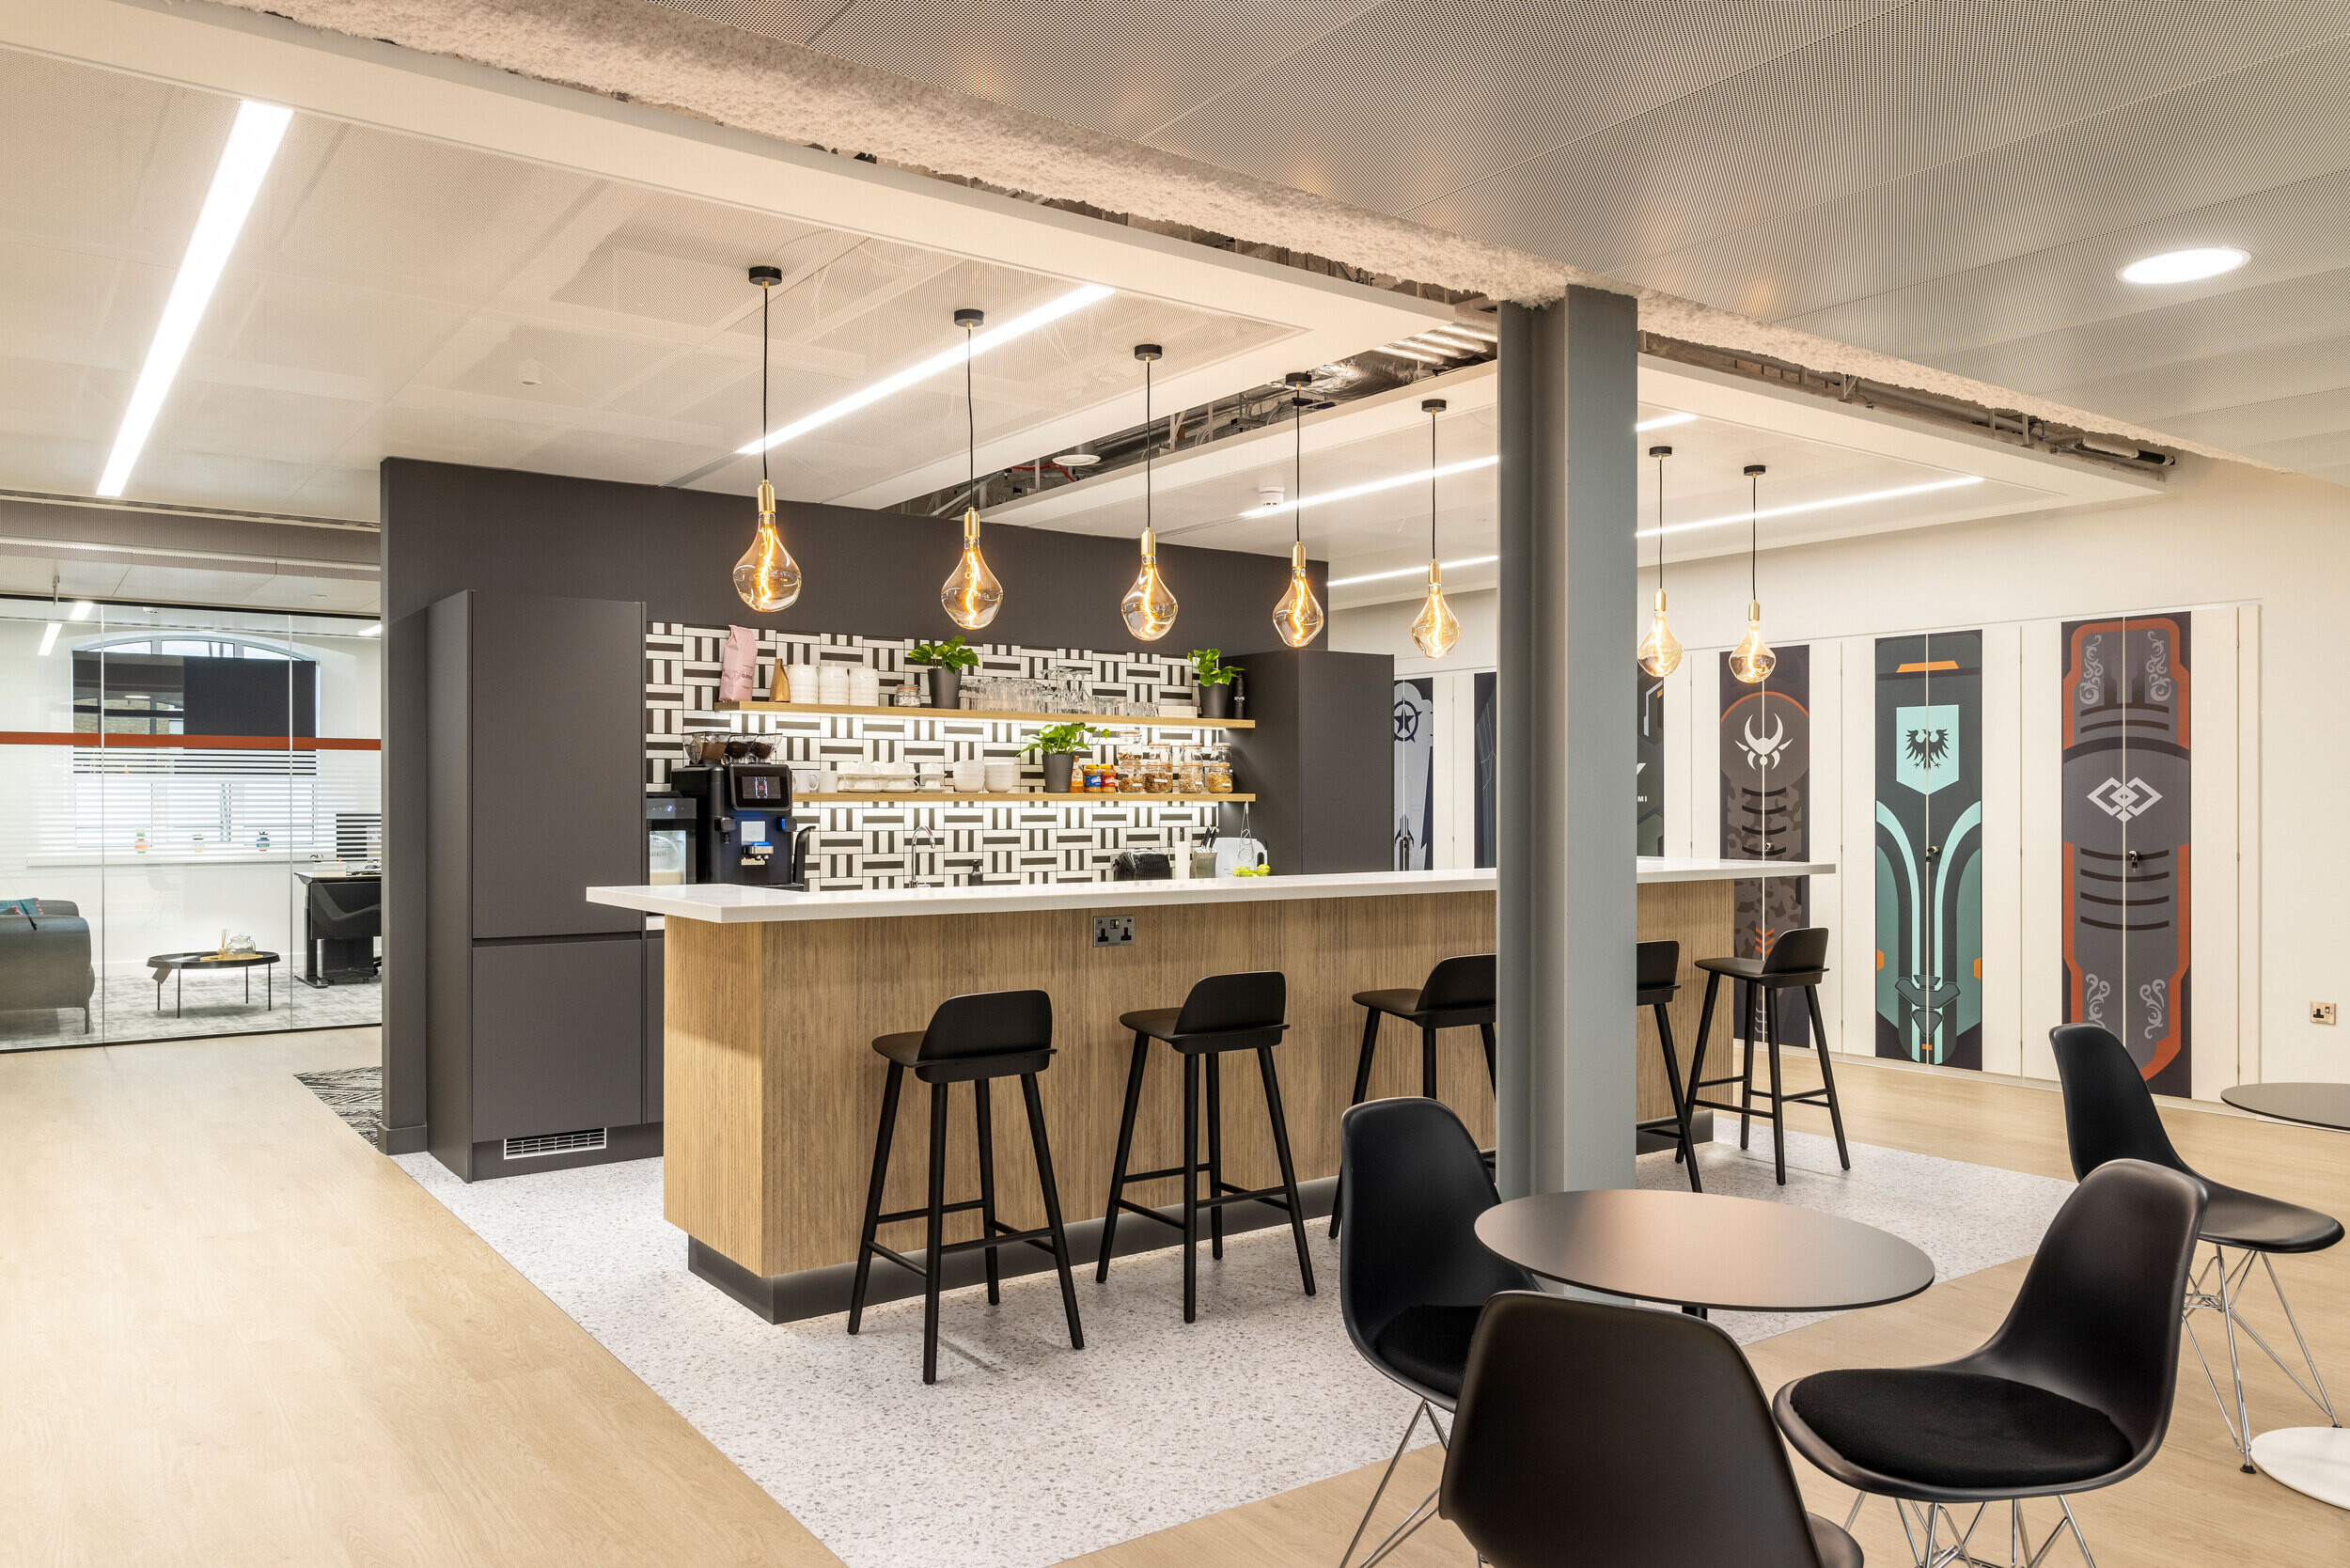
pixel 233 1335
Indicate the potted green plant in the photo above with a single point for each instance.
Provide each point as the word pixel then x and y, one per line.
pixel 946 661
pixel 1058 744
pixel 1214 679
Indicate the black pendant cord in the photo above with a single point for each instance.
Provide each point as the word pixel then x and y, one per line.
pixel 1754 532
pixel 1297 468
pixel 763 427
pixel 1146 446
pixel 1432 487
pixel 1660 525
pixel 971 422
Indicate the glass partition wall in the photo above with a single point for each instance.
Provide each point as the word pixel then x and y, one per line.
pixel 191 821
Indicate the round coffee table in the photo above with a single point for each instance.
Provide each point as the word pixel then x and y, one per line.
pixel 1703 1250
pixel 174 967
pixel 2312 1460
pixel 2312 1104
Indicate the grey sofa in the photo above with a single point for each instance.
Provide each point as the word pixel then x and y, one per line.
pixel 44 960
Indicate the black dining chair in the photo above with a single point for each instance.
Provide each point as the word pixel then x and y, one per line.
pixel 971 1039
pixel 2073 1393
pixel 1412 1274
pixel 1597 1436
pixel 1224 1013
pixel 1459 994
pixel 2110 1115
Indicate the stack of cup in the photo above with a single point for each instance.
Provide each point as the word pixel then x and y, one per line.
pixel 803 683
pixel 971 775
pixel 1001 776
pixel 864 687
pixel 832 683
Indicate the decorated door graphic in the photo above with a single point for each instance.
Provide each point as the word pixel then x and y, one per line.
pixel 1647 831
pixel 2126 872
pixel 1765 746
pixel 1929 848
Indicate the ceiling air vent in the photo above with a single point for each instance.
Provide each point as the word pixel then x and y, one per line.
pixel 555 1144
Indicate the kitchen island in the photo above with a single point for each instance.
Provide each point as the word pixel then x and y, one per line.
pixel 770 1000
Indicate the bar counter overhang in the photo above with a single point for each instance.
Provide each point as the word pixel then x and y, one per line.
pixel 772 998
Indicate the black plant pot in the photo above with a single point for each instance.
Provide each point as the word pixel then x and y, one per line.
pixel 1216 703
pixel 1058 765
pixel 945 685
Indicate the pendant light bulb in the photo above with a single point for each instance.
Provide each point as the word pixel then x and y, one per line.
pixel 1148 608
pixel 766 578
pixel 972 595
pixel 1437 628
pixel 1298 617
pixel 1752 661
pixel 1660 650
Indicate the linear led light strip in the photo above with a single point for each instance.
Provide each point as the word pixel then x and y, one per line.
pixel 1679 528
pixel 243 164
pixel 994 337
pixel 1420 476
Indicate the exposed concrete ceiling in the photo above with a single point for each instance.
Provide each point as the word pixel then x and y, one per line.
pixel 1838 114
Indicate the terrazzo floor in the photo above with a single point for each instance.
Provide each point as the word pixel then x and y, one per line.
pixel 123 1010
pixel 1026 1453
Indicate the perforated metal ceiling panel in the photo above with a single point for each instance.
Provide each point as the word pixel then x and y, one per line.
pixel 1952 181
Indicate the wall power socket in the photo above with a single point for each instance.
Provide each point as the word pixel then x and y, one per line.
pixel 2321 1012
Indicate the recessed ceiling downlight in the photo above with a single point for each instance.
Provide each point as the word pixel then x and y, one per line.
pixel 2185 266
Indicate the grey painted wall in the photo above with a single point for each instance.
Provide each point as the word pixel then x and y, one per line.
pixel 447 528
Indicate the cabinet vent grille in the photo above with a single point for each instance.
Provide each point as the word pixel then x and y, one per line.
pixel 555 1144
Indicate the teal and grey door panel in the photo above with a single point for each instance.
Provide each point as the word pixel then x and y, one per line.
pixel 1929 848
pixel 1764 749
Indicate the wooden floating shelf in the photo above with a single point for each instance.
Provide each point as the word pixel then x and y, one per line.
pixel 1032 798
pixel 1103 721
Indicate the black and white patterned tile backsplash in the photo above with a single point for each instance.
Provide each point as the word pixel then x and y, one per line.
pixel 880 846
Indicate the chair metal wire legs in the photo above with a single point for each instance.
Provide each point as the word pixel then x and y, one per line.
pixel 2219 1287
pixel 1937 1540
pixel 1420 1515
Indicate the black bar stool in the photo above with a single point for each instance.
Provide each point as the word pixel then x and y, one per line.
pixel 1459 993
pixel 1796 962
pixel 1224 1013
pixel 987 1035
pixel 1659 965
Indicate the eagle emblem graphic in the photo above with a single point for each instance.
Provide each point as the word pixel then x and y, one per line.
pixel 1928 748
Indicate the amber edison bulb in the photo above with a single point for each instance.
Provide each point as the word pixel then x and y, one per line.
pixel 1437 628
pixel 767 577
pixel 1660 650
pixel 1298 616
pixel 1148 608
pixel 972 595
pixel 1752 661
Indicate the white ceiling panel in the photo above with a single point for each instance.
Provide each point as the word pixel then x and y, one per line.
pixel 397 294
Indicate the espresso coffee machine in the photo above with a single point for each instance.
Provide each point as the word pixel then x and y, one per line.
pixel 743 827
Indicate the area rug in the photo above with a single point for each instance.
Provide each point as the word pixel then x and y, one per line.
pixel 1026 1452
pixel 354 1093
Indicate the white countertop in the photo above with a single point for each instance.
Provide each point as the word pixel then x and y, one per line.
pixel 727 903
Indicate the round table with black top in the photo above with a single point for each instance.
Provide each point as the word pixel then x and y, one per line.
pixel 1703 1250
pixel 2312 1460
pixel 174 967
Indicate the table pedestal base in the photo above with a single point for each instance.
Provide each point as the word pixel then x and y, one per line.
pixel 2312 1460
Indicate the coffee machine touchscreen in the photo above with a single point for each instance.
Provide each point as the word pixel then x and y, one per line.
pixel 757 786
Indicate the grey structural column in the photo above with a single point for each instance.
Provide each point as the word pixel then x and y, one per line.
pixel 1569 476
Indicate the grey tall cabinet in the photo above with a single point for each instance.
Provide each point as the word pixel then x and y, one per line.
pixel 537 1000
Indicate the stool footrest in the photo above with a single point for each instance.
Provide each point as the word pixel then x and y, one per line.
pixel 1273 1198
pixel 1041 1238
pixel 925 1213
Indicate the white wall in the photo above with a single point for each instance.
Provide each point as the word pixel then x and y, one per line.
pixel 2225 535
